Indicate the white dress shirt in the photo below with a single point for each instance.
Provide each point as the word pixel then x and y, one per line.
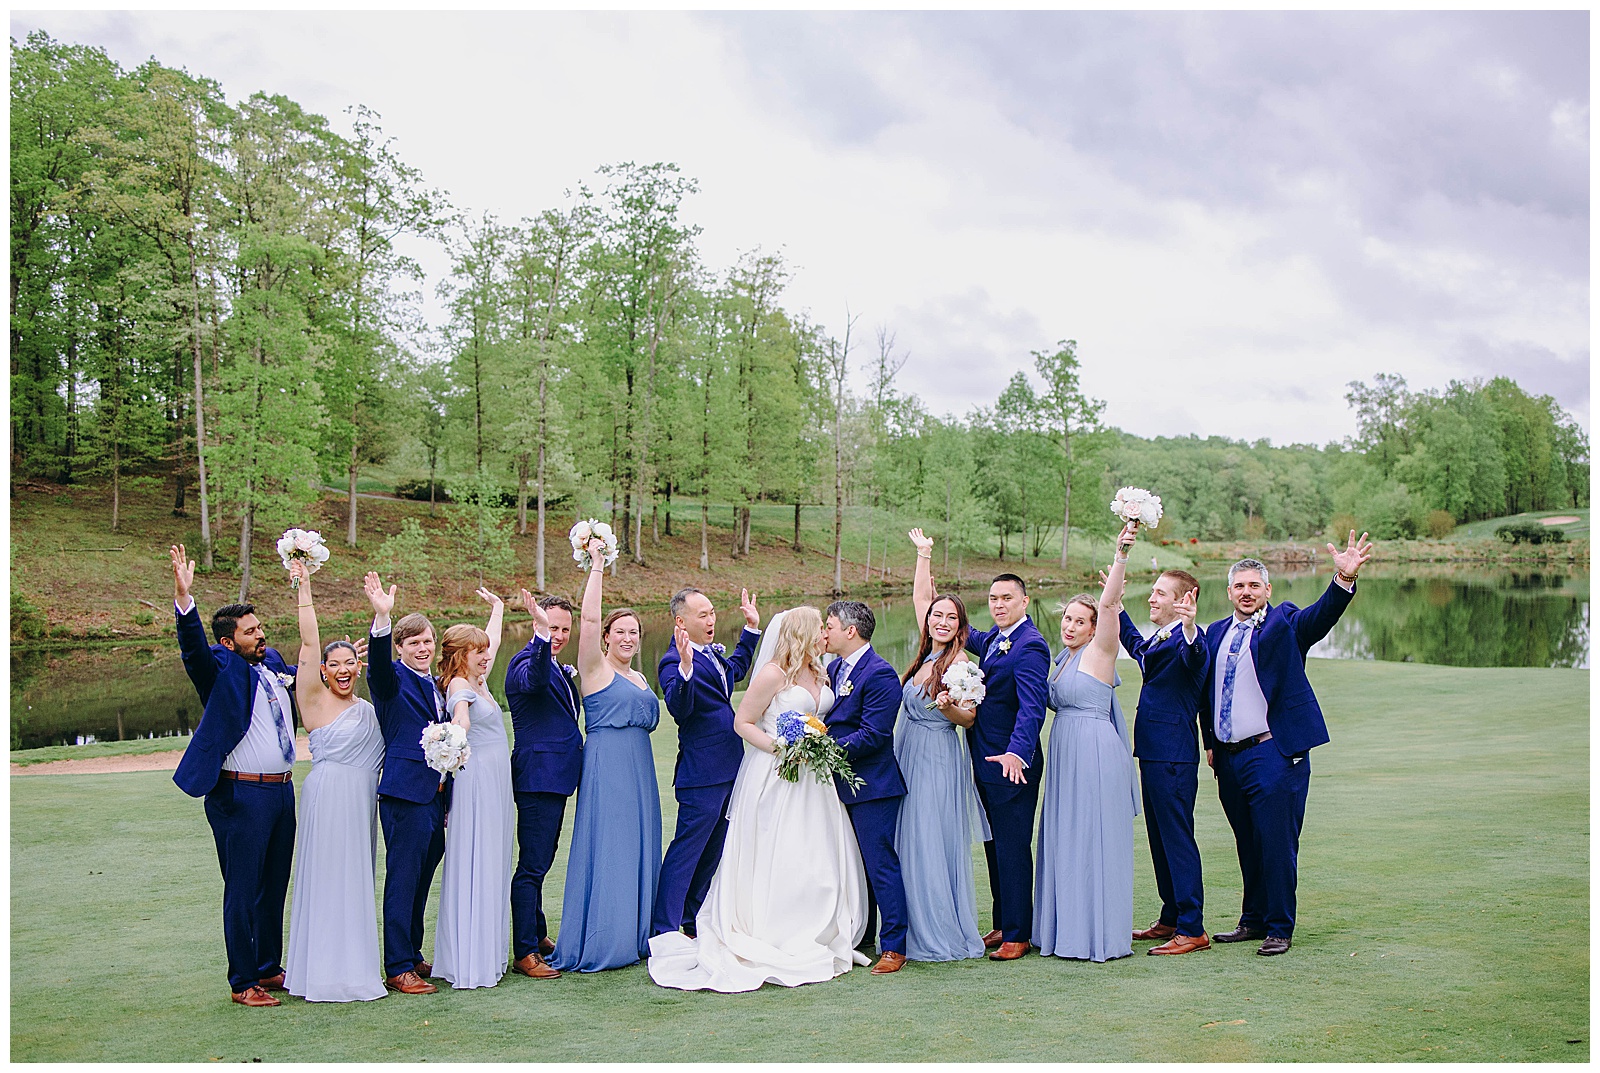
pixel 1248 715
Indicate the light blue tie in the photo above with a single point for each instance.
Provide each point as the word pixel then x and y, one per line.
pixel 285 740
pixel 1225 710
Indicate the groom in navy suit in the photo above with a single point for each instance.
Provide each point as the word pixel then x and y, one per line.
pixel 867 699
pixel 1007 763
pixel 412 798
pixel 546 762
pixel 697 678
pixel 241 761
pixel 1260 721
pixel 1166 740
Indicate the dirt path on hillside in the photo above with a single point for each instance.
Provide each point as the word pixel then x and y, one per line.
pixel 106 765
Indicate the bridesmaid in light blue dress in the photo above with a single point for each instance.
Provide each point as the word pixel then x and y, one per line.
pixel 333 917
pixel 473 941
pixel 615 858
pixel 940 816
pixel 1083 885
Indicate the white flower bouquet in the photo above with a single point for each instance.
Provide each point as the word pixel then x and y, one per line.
pixel 1137 505
pixel 445 748
pixel 305 545
pixel 964 682
pixel 580 535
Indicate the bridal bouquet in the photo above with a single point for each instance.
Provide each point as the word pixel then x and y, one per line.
pixel 303 544
pixel 580 535
pixel 1137 505
pixel 802 741
pixel 444 746
pixel 964 682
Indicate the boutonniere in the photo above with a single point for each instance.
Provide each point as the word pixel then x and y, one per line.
pixel 1164 632
pixel 846 689
pixel 568 669
pixel 1257 619
pixel 1005 644
pixel 286 679
pixel 718 647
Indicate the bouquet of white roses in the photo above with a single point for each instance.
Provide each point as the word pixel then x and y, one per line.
pixel 305 545
pixel 1137 505
pixel 964 682
pixel 802 741
pixel 445 748
pixel 580 535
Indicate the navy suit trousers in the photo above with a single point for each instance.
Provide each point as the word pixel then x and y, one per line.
pixel 693 856
pixel 874 823
pixel 1263 794
pixel 253 825
pixel 1011 809
pixel 539 817
pixel 414 837
pixel 1168 791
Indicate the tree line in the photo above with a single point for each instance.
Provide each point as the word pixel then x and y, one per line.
pixel 212 295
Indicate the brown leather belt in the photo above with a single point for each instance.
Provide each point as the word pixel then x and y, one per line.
pixel 251 776
pixel 1233 747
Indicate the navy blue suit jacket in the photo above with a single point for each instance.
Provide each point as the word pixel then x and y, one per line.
pixel 1016 685
pixel 547 750
pixel 405 704
pixel 1169 701
pixel 862 722
pixel 709 752
pixel 226 683
pixel 1279 650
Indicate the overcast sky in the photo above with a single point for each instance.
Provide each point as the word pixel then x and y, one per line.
pixel 1232 214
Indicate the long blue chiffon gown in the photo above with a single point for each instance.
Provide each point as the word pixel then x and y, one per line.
pixel 616 834
pixel 1083 900
pixel 940 817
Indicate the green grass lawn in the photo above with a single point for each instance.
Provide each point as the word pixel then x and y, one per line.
pixel 1444 908
pixel 1578 530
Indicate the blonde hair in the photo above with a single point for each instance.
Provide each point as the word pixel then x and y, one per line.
pixel 799 644
pixel 458 643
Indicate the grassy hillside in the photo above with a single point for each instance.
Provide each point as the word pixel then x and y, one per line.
pixel 1578 530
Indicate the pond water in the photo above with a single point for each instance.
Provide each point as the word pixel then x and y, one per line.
pixel 1467 617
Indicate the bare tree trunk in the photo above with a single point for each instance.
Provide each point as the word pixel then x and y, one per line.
pixel 655 522
pixel 797 525
pixel 206 560
pixel 246 525
pixel 946 566
pixel 1066 509
pixel 350 532
pixel 433 480
pixel 522 494
pixel 539 555
pixel 866 572
pixel 116 482
pixel 747 530
pixel 705 522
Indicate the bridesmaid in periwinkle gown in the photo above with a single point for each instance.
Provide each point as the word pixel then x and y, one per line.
pixel 940 816
pixel 1083 901
pixel 473 941
pixel 333 919
pixel 616 832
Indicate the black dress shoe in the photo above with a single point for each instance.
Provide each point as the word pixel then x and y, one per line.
pixel 1273 944
pixel 1241 934
pixel 690 930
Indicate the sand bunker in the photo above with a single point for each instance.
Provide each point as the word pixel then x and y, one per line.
pixel 1565 519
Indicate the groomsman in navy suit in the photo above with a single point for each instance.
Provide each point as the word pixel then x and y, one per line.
pixel 1167 742
pixel 546 761
pixel 867 699
pixel 697 678
pixel 412 798
pixel 1260 721
pixel 241 761
pixel 1007 763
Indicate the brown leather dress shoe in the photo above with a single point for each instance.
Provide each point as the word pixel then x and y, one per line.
pixel 255 996
pixel 1009 952
pixel 889 962
pixel 993 939
pixel 547 946
pixel 1157 930
pixel 534 965
pixel 408 983
pixel 424 969
pixel 1182 944
pixel 272 983
pixel 1273 944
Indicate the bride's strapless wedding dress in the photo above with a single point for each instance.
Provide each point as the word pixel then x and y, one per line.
pixel 788 902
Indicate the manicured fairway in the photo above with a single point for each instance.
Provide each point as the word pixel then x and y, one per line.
pixel 1444 908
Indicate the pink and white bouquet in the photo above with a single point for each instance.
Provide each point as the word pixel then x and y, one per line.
pixel 589 529
pixel 305 545
pixel 1137 505
pixel 964 682
pixel 445 748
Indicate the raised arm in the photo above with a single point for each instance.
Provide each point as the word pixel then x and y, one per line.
pixel 744 652
pixel 922 580
pixel 199 662
pixel 591 657
pixel 380 670
pixel 763 687
pixel 496 621
pixel 1100 657
pixel 308 674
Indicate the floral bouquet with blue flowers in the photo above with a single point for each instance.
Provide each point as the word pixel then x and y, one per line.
pixel 802 741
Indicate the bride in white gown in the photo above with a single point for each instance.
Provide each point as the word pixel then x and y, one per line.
pixel 788 902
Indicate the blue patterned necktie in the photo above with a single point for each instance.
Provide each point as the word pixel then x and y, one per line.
pixel 1225 709
pixel 285 740
pixel 833 674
